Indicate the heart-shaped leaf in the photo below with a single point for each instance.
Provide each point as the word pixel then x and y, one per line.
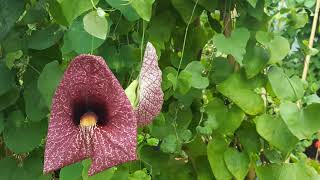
pixel 241 92
pixel 216 149
pixel 285 88
pixel 275 131
pixel 237 163
pixel 302 123
pixel 95 25
pixel 234 45
pixel 228 120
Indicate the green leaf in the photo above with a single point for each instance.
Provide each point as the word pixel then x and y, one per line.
pixel 104 175
pixel 309 3
pixel 95 25
pixel 155 160
pixel 287 171
pixel 26 137
pixel 60 10
pixel 37 62
pixel 285 88
pixel 7 79
pixel 238 89
pixel 252 2
pixel 122 172
pixel 49 80
pixel 215 149
pixel 35 105
pixel 255 60
pixel 313 98
pixel 71 172
pixel 273 155
pixel 32 166
pixel 275 131
pixel 7 168
pixel 45 38
pixel 139 175
pixel 238 39
pixel 11 57
pixel 125 8
pixel 161 27
pixel 227 119
pixel 203 169
pixel 198 81
pixel 78 40
pixel 249 138
pixel 131 92
pixel 169 144
pixel 143 8
pixel 168 79
pixel 1 122
pixel 185 9
pixel 183 83
pixel 9 98
pixel 10 11
pixel 37 13
pixel 221 69
pixel 264 37
pixel 279 48
pixel 237 163
pixel 9 92
pixel 208 4
pixel 302 123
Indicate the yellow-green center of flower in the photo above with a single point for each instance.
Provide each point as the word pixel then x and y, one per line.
pixel 89 119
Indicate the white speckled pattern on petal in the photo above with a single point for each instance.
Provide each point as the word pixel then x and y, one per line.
pixel 150 92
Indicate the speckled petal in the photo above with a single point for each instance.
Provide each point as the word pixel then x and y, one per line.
pixel 88 79
pixel 150 92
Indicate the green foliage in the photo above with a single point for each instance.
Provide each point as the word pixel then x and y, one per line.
pixel 234 104
pixel 241 92
pixel 72 172
pixel 238 39
pixel 285 88
pixel 216 149
pixel 275 131
pixel 48 81
pixel 237 163
pixel 95 25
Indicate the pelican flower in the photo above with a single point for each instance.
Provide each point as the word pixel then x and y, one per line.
pixel 91 116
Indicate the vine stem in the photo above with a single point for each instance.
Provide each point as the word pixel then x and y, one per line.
pixel 185 38
pixel 311 39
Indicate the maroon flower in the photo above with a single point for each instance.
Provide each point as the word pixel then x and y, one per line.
pixel 91 117
pixel 150 97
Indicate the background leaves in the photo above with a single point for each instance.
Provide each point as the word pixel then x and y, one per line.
pixel 234 103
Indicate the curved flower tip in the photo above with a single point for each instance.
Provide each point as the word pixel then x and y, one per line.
pixel 150 93
pixel 91 117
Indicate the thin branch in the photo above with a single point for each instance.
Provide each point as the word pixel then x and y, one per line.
pixel 311 39
pixel 185 37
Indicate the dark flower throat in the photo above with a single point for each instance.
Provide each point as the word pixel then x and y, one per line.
pixel 88 104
